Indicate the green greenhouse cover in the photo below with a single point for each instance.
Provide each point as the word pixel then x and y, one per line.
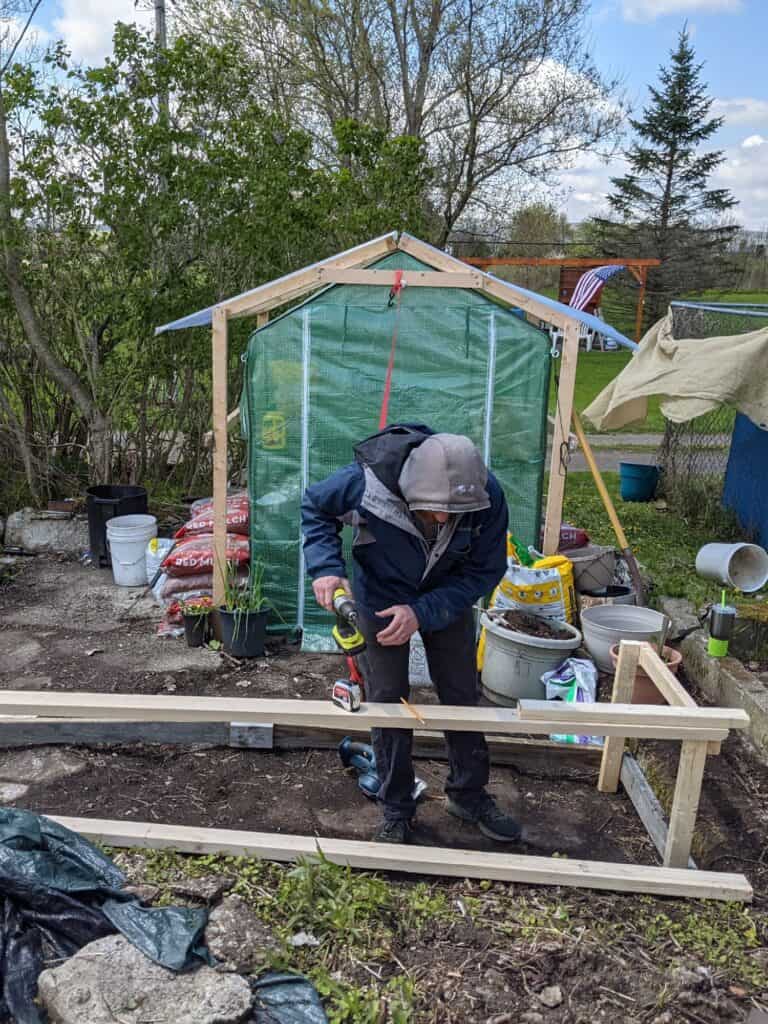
pixel 314 380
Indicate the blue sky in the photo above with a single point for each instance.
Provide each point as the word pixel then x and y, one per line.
pixel 630 38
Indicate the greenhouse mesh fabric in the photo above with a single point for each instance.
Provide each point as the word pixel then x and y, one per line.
pixel 313 388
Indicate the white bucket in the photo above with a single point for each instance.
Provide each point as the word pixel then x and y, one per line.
pixel 513 663
pixel 127 539
pixel 741 566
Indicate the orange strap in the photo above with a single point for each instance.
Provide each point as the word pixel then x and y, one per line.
pixel 395 293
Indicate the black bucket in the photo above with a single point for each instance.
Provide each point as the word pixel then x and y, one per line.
pixel 103 503
pixel 243 634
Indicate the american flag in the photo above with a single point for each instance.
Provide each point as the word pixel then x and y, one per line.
pixel 590 285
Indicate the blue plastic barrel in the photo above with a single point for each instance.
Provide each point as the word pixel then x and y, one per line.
pixel 637 482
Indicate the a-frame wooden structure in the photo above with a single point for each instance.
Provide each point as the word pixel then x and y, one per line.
pixel 350 267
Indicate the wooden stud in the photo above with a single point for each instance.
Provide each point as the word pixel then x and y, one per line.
pixel 685 804
pixel 501 290
pixel 557 261
pixel 425 860
pixel 323 714
pixel 563 411
pixel 220 475
pixel 617 713
pixel 623 685
pixel 411 278
pixel 300 282
pixel 641 305
pixel 648 808
pixel 668 685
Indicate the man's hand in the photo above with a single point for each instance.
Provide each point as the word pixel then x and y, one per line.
pixel 402 627
pixel 326 586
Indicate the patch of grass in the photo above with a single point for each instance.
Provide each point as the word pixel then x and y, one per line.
pixel 662 541
pixel 712 295
pixel 595 371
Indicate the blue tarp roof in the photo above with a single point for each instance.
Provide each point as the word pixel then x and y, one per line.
pixel 204 317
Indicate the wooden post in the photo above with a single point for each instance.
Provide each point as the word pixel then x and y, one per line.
pixel 557 473
pixel 643 271
pixel 623 685
pixel 685 804
pixel 219 358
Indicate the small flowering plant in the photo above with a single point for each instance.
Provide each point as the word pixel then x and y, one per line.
pixel 198 606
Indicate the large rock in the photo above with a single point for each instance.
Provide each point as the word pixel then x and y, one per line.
pixel 35 767
pixel 27 529
pixel 110 980
pixel 237 938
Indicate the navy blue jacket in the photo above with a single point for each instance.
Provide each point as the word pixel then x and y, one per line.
pixel 390 554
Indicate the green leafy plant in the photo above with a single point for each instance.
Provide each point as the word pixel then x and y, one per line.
pixel 198 606
pixel 244 597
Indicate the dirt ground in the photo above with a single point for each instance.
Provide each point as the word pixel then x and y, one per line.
pixel 64 626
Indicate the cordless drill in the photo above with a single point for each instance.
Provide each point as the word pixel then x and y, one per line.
pixel 347 693
pixel 346 634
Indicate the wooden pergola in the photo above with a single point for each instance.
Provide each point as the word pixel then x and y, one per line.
pixel 638 268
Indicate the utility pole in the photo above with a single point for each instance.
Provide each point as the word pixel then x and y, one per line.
pixel 161 40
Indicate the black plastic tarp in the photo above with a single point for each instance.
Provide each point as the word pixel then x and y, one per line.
pixel 57 894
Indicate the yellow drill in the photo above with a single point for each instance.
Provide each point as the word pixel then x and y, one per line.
pixel 346 633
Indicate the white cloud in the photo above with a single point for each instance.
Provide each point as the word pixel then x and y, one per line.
pixel 86 26
pixel 746 110
pixel 649 10
pixel 753 140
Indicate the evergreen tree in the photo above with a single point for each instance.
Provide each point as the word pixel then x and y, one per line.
pixel 662 206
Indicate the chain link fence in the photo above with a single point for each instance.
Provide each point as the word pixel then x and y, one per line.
pixel 693 456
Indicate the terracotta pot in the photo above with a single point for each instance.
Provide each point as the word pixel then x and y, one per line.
pixel 645 691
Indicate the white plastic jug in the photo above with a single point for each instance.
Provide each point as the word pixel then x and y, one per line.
pixel 127 539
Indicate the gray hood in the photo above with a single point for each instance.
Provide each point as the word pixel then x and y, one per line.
pixel 445 473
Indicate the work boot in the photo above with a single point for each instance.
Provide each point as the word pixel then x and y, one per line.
pixel 396 831
pixel 489 818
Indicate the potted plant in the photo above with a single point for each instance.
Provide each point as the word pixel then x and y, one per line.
pixel 244 614
pixel 196 615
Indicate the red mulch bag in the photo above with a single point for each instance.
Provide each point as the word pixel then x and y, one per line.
pixel 180 586
pixel 238 516
pixel 193 556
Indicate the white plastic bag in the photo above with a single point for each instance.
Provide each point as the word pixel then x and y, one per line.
pixel 418 669
pixel 574 682
pixel 156 551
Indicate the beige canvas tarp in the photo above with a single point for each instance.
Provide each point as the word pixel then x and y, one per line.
pixel 691 376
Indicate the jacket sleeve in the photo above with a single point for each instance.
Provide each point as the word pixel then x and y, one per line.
pixel 322 507
pixel 485 566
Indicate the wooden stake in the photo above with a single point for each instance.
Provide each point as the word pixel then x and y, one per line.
pixel 563 410
pixel 685 804
pixel 219 453
pixel 623 685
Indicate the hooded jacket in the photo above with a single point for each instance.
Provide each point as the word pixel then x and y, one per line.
pixel 394 563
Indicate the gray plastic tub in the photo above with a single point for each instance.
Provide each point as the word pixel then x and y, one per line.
pixel 514 662
pixel 607 624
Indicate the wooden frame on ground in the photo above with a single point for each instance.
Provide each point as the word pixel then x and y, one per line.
pixel 695 728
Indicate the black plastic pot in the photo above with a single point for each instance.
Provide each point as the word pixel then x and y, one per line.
pixel 104 503
pixel 243 634
pixel 195 629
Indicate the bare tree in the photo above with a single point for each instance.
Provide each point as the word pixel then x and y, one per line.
pixel 502 93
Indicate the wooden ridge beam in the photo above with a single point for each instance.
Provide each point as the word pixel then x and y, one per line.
pixel 635 721
pixel 420 860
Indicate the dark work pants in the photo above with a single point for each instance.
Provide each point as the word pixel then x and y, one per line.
pixel 452 666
